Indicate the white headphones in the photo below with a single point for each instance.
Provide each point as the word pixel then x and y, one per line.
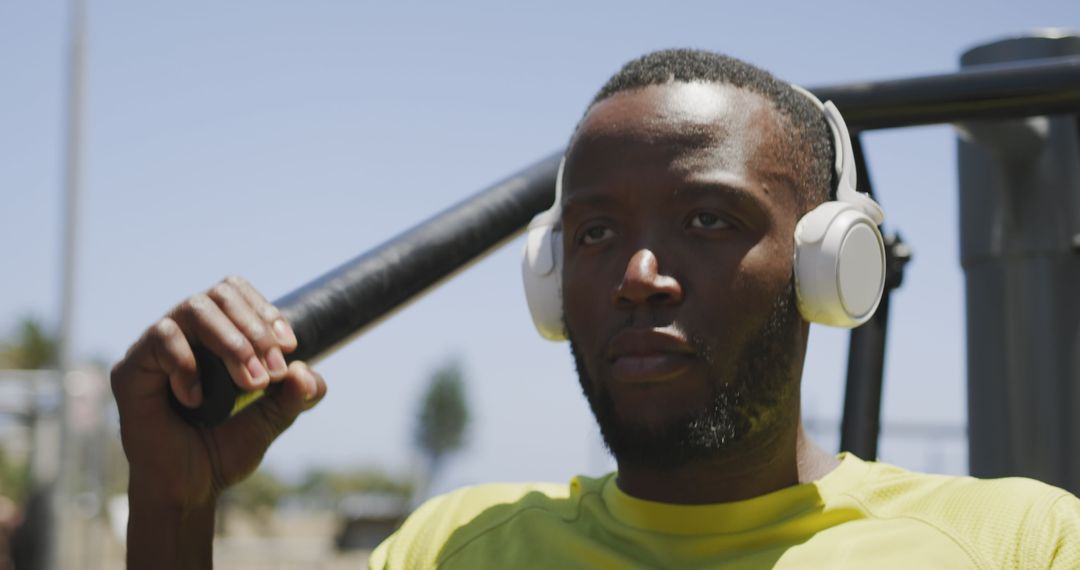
pixel 839 254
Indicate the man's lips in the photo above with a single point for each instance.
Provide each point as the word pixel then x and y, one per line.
pixel 648 355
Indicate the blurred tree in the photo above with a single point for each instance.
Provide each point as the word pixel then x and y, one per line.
pixel 442 420
pixel 255 497
pixel 332 485
pixel 14 476
pixel 33 348
pixel 262 490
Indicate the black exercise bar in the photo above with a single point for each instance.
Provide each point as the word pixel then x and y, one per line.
pixel 345 301
pixel 998 91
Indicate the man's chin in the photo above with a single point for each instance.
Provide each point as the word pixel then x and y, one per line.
pixel 665 425
pixel 656 407
pixel 669 440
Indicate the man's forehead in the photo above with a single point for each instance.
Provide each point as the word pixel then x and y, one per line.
pixel 676 113
pixel 694 133
pixel 691 127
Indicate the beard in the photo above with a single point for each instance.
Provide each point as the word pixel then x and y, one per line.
pixel 740 412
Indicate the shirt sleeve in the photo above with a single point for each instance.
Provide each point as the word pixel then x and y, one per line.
pixel 377 559
pixel 414 545
pixel 1057 545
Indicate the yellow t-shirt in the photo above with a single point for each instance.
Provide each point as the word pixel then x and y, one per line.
pixel 861 515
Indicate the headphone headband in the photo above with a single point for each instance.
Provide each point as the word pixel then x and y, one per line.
pixel 550 216
pixel 844 166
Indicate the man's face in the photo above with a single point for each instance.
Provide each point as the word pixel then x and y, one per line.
pixel 678 216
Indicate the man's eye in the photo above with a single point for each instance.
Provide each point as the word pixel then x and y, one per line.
pixel 708 221
pixel 595 234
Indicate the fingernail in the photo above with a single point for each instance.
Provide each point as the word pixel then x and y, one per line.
pixel 310 389
pixel 284 332
pixel 259 378
pixel 276 362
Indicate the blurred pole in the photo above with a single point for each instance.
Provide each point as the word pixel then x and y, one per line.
pixel 58 555
pixel 71 186
pixel 87 395
pixel 1019 230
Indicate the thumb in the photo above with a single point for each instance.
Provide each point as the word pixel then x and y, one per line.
pixel 242 441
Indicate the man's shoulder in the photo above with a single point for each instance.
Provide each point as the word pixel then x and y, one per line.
pixel 893 490
pixel 469 502
pixel 447 522
pixel 1011 518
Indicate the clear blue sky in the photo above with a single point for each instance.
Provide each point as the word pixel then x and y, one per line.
pixel 278 139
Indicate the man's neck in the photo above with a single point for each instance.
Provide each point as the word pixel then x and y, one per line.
pixel 789 459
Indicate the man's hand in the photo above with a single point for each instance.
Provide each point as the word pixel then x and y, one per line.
pixel 178 470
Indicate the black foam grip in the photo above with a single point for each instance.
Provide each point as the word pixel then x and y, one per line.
pixel 342 302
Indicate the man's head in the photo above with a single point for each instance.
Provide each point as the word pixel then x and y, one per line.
pixel 807 139
pixel 682 187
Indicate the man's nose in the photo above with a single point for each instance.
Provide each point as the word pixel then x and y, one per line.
pixel 642 282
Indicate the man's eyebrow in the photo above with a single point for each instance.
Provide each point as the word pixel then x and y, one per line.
pixel 699 188
pixel 576 201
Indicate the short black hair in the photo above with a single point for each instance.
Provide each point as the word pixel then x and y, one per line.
pixel 811 131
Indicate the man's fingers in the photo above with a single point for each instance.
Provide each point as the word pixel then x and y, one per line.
pixel 310 388
pixel 202 319
pixel 301 389
pixel 247 319
pixel 174 356
pixel 245 437
pixel 266 311
pixel 164 353
pixel 232 320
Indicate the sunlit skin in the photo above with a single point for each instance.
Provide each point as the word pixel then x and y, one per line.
pixel 678 216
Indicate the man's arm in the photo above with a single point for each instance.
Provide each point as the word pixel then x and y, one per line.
pixel 164 536
pixel 177 470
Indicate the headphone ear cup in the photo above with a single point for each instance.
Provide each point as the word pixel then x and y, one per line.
pixel 541 271
pixel 839 265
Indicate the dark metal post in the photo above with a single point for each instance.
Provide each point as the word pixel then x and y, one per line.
pixel 861 424
pixel 1019 223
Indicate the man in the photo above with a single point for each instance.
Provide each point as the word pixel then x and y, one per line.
pixel 682 188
